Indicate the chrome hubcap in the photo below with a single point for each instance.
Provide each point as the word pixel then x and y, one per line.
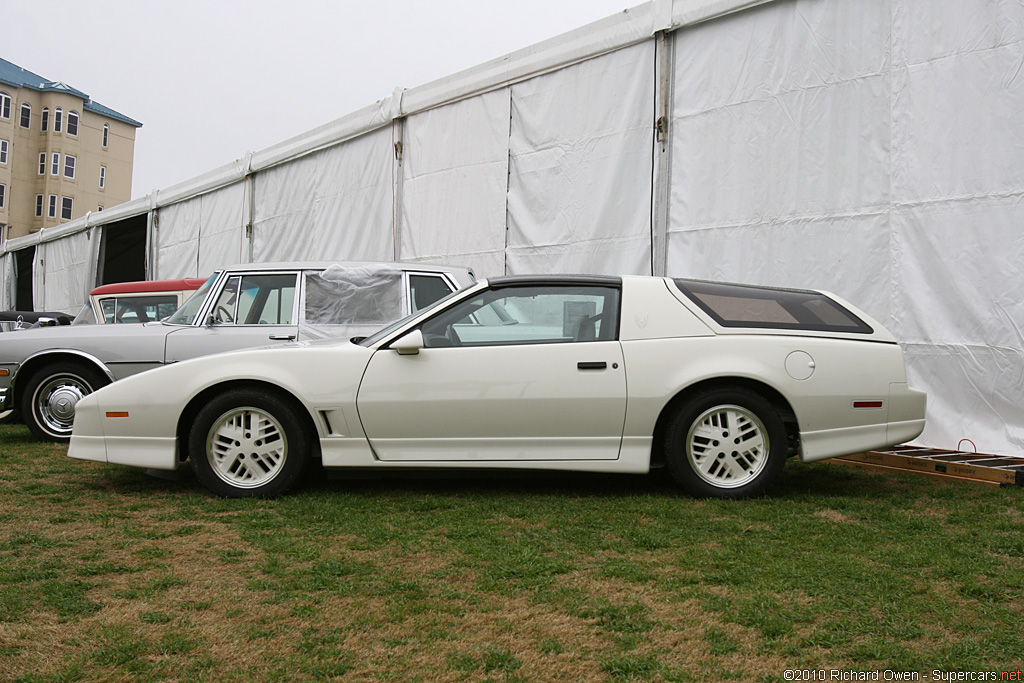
pixel 246 447
pixel 727 446
pixel 56 401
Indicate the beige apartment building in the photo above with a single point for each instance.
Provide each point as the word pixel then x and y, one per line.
pixel 62 155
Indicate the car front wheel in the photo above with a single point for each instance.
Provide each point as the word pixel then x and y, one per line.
pixel 726 443
pixel 248 443
pixel 50 397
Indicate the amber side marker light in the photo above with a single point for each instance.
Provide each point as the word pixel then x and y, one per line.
pixel 118 414
pixel 856 404
pixel 4 373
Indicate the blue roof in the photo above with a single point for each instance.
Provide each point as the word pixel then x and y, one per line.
pixel 14 75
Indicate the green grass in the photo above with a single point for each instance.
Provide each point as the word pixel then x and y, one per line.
pixel 107 574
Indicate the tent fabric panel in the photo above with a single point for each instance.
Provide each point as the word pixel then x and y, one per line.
pixel 974 392
pixel 455 179
pixel 960 317
pixel 848 255
pixel 65 285
pixel 336 203
pixel 781 111
pixel 581 154
pixel 930 30
pixel 958 126
pixel 178 239
pixel 806 153
pixel 222 228
pixel 949 296
pixel 777 48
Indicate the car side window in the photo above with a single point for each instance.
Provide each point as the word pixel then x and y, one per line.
pixel 536 314
pixel 425 289
pixel 109 307
pixel 256 300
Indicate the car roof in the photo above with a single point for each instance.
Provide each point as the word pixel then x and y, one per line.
pixel 149 286
pixel 312 265
pixel 519 280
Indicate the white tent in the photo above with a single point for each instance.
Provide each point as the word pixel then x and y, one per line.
pixel 869 148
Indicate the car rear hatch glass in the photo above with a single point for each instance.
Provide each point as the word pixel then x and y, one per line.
pixel 736 305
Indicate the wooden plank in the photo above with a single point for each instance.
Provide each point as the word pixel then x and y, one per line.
pixel 935 466
pixel 859 464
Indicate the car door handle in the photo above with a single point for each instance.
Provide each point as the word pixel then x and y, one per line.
pixel 283 337
pixel 592 365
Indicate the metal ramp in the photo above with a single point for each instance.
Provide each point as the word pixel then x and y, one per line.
pixel 980 468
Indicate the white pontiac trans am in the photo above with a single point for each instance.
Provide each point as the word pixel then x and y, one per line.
pixel 719 383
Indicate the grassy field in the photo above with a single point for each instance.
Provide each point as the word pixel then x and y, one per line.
pixel 107 574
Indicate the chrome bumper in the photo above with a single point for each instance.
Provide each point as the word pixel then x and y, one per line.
pixel 6 399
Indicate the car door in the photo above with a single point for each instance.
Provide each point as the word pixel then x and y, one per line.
pixel 512 374
pixel 251 309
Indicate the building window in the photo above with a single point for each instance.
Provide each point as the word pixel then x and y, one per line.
pixel 69 166
pixel 55 164
pixel 52 213
pixel 106 134
pixel 72 123
pixel 4 149
pixel 67 205
pixel 45 124
pixel 103 177
pixel 26 115
pixel 39 206
pixel 42 163
pixel 5 105
pixel 58 119
pixel 3 195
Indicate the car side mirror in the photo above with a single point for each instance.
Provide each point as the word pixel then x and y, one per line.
pixel 210 322
pixel 410 344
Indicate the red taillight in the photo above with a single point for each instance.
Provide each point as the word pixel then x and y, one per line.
pixel 867 404
pixel 117 414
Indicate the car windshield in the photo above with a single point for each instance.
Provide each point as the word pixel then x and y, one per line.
pixel 85 316
pixel 186 315
pixel 380 334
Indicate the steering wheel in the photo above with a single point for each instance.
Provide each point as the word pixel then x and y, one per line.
pixel 223 315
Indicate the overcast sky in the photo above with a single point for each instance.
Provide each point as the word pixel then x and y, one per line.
pixel 211 80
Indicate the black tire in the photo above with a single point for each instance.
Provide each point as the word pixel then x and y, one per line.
pixel 253 465
pixel 727 442
pixel 50 395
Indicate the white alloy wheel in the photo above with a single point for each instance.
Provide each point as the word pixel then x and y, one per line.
pixel 250 442
pixel 725 442
pixel 246 447
pixel 727 446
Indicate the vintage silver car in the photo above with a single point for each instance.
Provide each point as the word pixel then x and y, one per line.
pixel 45 373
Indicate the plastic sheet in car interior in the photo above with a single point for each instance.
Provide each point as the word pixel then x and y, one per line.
pixel 343 301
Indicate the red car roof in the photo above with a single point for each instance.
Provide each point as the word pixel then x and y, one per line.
pixel 149 286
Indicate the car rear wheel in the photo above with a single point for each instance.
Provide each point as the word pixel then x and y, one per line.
pixel 726 443
pixel 50 397
pixel 248 443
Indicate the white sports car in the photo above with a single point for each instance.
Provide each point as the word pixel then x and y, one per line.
pixel 719 383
